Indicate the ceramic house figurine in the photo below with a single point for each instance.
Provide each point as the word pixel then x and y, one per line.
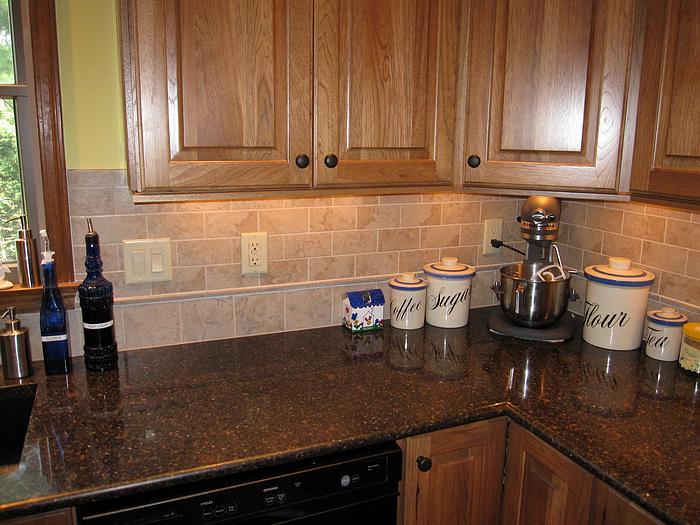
pixel 363 311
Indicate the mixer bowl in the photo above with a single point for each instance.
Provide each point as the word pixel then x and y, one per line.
pixel 528 301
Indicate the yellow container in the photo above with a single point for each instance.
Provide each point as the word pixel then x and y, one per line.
pixel 689 358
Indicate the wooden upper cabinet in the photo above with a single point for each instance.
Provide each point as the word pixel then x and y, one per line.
pixel 218 93
pixel 666 159
pixel 545 93
pixel 542 485
pixel 385 79
pixel 463 483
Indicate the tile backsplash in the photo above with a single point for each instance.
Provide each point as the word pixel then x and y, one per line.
pixel 319 248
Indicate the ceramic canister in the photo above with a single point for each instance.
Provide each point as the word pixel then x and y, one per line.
pixel 407 301
pixel 616 304
pixel 664 333
pixel 449 293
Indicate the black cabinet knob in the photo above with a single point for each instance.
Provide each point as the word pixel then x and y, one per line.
pixel 424 463
pixel 473 161
pixel 302 161
pixel 331 161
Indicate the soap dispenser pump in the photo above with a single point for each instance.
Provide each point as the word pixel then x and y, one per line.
pixel 14 348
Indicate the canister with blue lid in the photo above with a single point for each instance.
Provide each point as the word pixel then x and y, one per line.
pixel 664 333
pixel 449 292
pixel 616 304
pixel 407 301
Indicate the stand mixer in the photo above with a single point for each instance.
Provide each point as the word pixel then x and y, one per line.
pixel 535 293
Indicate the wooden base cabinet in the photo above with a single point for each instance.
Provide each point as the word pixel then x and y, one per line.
pixel 55 517
pixel 454 476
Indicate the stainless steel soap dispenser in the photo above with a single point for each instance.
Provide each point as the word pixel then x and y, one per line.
pixel 14 348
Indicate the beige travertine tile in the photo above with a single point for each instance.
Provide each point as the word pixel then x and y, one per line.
pixel 654 288
pixel 207 319
pixel 501 209
pixel 289 271
pixel 442 197
pixel 399 239
pixel 152 324
pixel 471 233
pixel 465 254
pixel 372 217
pixel 363 241
pixel 585 238
pixel 97 178
pixel 355 199
pixel 665 211
pixel 225 276
pixel 573 212
pixel 291 220
pixel 333 219
pixel 257 204
pixel 376 263
pixel 259 313
pixel 693 267
pixel 75 331
pixel 230 223
pixel 185 279
pixel 203 206
pixel 205 251
pixel 275 248
pixel 420 214
pixel 682 233
pixel 619 246
pixel 644 226
pixel 307 245
pixel 111 257
pixel 636 207
pixel 439 236
pixel 562 237
pixel 176 226
pixel 590 259
pixel 461 212
pixel 481 292
pixel 399 199
pixel 680 287
pixel 89 201
pixel 308 202
pixel 695 217
pixel 504 255
pixel 607 219
pixel 111 229
pixel 308 308
pixel 336 267
pixel 664 256
pixel 121 289
pixel 413 261
pixel 124 204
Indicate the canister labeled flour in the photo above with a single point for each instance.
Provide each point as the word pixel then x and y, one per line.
pixel 449 292
pixel 664 333
pixel 407 301
pixel 616 304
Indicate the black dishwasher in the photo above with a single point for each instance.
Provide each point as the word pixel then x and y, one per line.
pixel 352 487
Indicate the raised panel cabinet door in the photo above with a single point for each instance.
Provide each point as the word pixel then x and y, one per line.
pixel 385 80
pixel 545 85
pixel 542 485
pixel 609 507
pixel 56 517
pixel 218 94
pixel 666 158
pixel 454 476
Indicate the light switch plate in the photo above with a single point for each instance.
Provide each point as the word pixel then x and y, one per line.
pixel 147 261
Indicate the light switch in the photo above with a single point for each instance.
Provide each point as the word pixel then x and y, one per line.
pixel 147 261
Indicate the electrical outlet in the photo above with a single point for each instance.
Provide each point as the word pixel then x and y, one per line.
pixel 253 253
pixel 493 229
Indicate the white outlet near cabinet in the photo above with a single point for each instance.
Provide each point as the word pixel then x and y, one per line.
pixel 493 229
pixel 253 253
pixel 147 261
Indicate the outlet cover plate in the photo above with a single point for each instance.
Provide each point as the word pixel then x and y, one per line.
pixel 253 253
pixel 493 229
pixel 147 260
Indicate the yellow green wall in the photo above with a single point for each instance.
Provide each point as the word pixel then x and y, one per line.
pixel 91 90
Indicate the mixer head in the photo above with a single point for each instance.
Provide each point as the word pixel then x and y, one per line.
pixel 539 220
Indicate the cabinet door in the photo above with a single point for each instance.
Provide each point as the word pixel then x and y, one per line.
pixel 542 485
pixel 609 507
pixel 464 483
pixel 666 159
pixel 218 93
pixel 56 517
pixel 545 93
pixel 385 79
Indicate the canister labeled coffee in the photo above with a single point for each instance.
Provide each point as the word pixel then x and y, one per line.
pixel 407 301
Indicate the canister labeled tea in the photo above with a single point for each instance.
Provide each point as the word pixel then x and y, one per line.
pixel 449 293
pixel 664 333
pixel 616 304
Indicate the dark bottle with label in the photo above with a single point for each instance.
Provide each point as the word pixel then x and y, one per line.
pixel 53 318
pixel 96 303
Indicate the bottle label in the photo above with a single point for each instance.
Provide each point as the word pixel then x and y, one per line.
pixel 52 338
pixel 98 326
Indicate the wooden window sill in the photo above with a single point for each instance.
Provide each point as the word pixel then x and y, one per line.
pixel 27 300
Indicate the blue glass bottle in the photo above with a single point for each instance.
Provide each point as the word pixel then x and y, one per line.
pixel 53 319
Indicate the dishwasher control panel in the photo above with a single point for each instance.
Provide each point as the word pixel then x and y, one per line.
pixel 290 489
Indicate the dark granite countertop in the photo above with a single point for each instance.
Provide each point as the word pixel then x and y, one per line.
pixel 196 411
